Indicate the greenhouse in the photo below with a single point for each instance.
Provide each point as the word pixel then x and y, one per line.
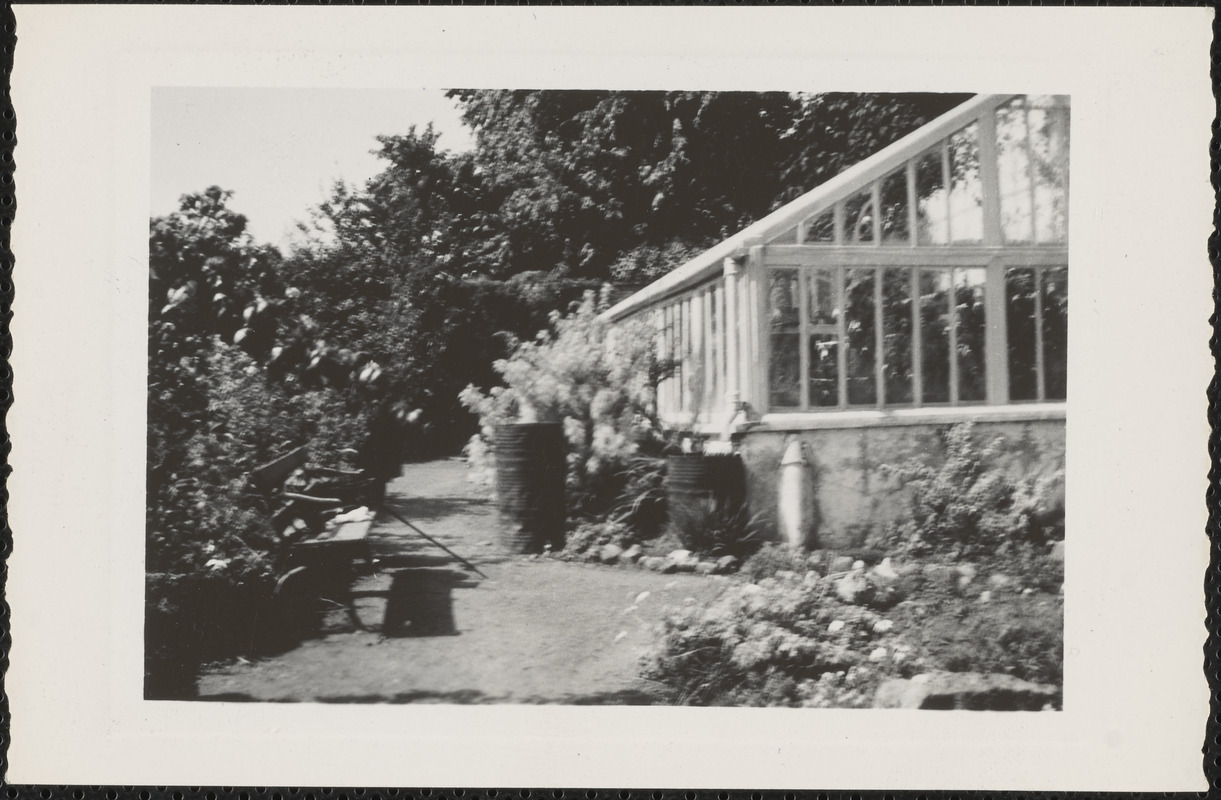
pixel 926 285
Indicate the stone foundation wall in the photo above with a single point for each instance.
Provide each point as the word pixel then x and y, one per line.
pixel 848 494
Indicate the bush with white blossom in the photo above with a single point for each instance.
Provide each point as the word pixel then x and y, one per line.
pixel 597 380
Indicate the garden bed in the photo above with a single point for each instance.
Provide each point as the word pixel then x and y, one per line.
pixel 825 630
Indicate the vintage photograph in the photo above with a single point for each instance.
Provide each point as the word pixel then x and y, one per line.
pixel 607 397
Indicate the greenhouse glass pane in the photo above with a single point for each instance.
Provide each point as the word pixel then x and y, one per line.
pixel 1013 168
pixel 971 328
pixel 821 229
pixel 897 335
pixel 862 382
pixel 935 334
pixel 966 188
pixel 782 300
pixel 824 370
pixel 858 218
pixel 783 379
pixel 823 302
pixel 788 236
pixel 894 208
pixel 1049 123
pixel 1055 333
pixel 931 200
pixel 1020 311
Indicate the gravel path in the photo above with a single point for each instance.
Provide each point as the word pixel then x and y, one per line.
pixel 532 631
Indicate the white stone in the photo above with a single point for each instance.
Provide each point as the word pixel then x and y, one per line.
pixel 836 626
pixel 885 570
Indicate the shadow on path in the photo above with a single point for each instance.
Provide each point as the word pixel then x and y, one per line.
pixel 419 602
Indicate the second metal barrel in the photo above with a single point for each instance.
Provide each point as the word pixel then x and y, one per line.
pixel 716 483
pixel 530 475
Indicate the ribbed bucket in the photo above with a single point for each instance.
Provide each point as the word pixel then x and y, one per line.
pixel 713 482
pixel 530 472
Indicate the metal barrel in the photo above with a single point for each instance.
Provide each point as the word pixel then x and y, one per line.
pixel 530 475
pixel 713 482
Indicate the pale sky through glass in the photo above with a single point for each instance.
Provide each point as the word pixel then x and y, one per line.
pixel 280 150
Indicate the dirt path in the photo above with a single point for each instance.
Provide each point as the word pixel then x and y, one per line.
pixel 532 631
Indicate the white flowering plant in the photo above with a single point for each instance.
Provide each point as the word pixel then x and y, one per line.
pixel 770 643
pixel 598 380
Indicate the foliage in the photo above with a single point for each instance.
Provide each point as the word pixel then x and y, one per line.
pixel 585 540
pixel 713 531
pixel 966 505
pixel 761 644
pixel 1018 636
pixel 788 640
pixel 771 558
pixel 204 518
pixel 405 269
pixel 598 381
pixel 585 178
pixel 831 132
pixel 641 503
pixel 215 411
pixel 211 553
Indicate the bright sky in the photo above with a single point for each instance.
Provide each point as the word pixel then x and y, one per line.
pixel 280 150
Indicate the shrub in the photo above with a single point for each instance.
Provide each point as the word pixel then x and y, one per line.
pixel 966 505
pixel 641 503
pixel 762 644
pixel 211 551
pixel 585 540
pixel 600 382
pixel 772 558
pixel 1019 637
pixel 716 531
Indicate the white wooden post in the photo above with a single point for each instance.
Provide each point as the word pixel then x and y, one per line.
pixel 733 332
pixel 757 324
pixel 996 333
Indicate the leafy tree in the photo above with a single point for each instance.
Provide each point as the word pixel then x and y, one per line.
pixel 599 184
pixel 203 271
pixel 404 269
pixel 833 131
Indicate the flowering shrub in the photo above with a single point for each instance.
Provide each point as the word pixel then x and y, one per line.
pixel 598 380
pixel 768 643
pixel 789 640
